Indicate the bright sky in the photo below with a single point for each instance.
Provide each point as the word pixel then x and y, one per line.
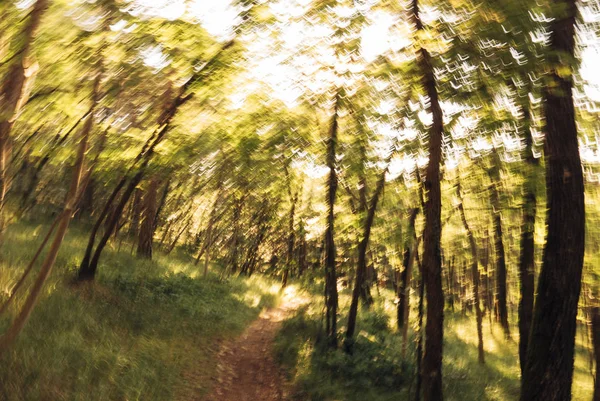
pixel 278 61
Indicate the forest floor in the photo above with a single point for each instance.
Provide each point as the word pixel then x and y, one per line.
pixel 246 367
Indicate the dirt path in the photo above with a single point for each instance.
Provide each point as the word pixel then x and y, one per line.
pixel 246 369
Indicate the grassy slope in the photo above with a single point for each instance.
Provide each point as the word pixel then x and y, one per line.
pixel 135 335
pixel 464 378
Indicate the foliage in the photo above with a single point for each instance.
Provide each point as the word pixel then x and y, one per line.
pixel 131 336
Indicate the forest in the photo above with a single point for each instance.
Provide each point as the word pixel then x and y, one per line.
pixel 326 200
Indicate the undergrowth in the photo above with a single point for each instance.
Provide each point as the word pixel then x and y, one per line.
pixel 133 335
pixel 376 371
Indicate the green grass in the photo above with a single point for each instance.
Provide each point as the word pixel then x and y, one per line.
pixel 323 375
pixel 139 333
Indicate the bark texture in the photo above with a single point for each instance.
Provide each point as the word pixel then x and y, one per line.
pixel 550 352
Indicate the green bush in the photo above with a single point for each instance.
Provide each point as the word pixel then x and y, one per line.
pixel 374 370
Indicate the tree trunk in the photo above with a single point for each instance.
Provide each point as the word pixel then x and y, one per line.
pixel 363 210
pixel 14 94
pixel 432 263
pixel 494 174
pixel 419 356
pixel 135 213
pixel 331 294
pixel 550 352
pixel 361 269
pixel 88 266
pixel 28 196
pixel 86 206
pixel 595 312
pixel 526 258
pixel 149 208
pixel 70 202
pixel 403 307
pixel 475 274
pixel 291 233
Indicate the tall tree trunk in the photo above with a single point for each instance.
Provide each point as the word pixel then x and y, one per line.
pixel 15 92
pixel 403 306
pixel 63 224
pixel 361 269
pixel 291 233
pixel 331 294
pixel 135 213
pixel 237 214
pixel 595 313
pixel 28 195
pixel 550 351
pixel 419 355
pixel 432 263
pixel 363 206
pixel 86 206
pixel 494 174
pixel 89 264
pixel 475 274
pixel 526 258
pixel 149 208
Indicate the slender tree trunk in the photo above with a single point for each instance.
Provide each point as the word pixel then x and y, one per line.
pixel 403 307
pixel 14 94
pixel 419 355
pixel 550 352
pixel 28 196
pixel 526 258
pixel 63 224
pixel 87 269
pixel 365 288
pixel 89 272
pixel 291 233
pixel 595 313
pixel 161 204
pixel 475 273
pixel 361 269
pixel 237 214
pixel 135 213
pixel 149 208
pixel 86 206
pixel 331 293
pixel 494 174
pixel 432 263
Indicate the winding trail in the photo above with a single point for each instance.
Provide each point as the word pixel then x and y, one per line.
pixel 246 368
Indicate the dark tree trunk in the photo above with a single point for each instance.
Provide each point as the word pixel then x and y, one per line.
pixel 237 214
pixel 361 269
pixel 595 313
pixel 28 199
pixel 161 203
pixel 149 208
pixel 419 356
pixel 405 277
pixel 475 274
pixel 14 93
pixel 291 233
pixel 135 213
pixel 86 206
pixel 494 174
pixel 550 352
pixel 331 293
pixel 526 258
pixel 363 206
pixel 89 272
pixel 432 263
pixel 62 223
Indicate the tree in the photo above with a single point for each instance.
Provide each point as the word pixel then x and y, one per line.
pixel 549 365
pixel 432 262
pixel 331 293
